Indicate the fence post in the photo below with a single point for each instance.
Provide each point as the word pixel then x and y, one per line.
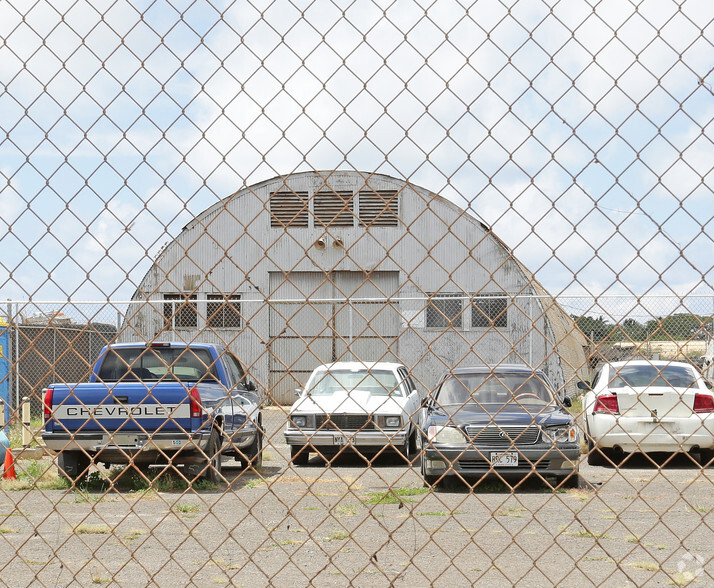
pixel 26 422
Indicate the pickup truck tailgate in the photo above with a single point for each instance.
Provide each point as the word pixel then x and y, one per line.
pixel 164 406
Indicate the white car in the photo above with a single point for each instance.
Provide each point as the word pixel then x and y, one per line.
pixel 367 406
pixel 648 406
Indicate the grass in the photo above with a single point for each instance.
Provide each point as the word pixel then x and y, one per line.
pixel 337 536
pixel 188 508
pixel 440 513
pixel 14 432
pixel 347 510
pixel 5 530
pixel 650 566
pixel 90 529
pixel 134 534
pixel 394 496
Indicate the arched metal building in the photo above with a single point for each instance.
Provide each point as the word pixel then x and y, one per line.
pixel 321 266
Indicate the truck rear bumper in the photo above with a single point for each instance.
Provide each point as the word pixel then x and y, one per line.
pixel 137 447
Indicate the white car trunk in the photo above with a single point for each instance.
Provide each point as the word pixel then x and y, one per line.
pixel 656 402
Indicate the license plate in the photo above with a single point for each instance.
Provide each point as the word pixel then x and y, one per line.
pixel 342 440
pixel 124 440
pixel 507 459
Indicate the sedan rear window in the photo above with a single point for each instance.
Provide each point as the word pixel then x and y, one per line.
pixel 640 376
pixel 499 388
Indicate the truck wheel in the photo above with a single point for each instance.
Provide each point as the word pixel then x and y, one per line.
pixel 73 465
pixel 212 472
pixel 253 455
pixel 299 455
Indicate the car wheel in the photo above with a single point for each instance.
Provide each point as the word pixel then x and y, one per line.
pixel 405 450
pixel 253 456
pixel 429 480
pixel 571 481
pixel 299 455
pixel 413 445
pixel 73 465
pixel 595 455
pixel 212 473
pixel 705 457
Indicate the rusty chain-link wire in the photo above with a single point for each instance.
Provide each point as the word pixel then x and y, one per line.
pixel 460 192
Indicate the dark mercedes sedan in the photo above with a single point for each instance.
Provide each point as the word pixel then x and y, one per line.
pixel 505 420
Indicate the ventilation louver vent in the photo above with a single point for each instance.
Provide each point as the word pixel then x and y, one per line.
pixel 288 209
pixel 334 209
pixel 379 209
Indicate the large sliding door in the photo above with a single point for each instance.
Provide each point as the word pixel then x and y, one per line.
pixel 318 317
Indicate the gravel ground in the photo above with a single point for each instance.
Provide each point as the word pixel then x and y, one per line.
pixel 641 525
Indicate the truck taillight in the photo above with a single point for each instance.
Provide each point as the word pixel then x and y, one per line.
pixel 47 404
pixel 607 404
pixel 703 403
pixel 196 410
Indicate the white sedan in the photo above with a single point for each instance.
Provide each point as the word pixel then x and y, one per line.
pixel 368 406
pixel 648 406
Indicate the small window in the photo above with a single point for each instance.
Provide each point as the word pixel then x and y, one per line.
pixel 223 312
pixel 489 310
pixel 180 311
pixel 444 311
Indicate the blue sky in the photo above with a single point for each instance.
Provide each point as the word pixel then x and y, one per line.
pixel 580 131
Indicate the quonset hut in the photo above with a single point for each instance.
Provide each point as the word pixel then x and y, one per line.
pixel 322 266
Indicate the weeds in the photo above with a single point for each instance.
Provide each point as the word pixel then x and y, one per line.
pixel 394 496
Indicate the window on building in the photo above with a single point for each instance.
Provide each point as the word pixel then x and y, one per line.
pixel 223 312
pixel 444 311
pixel 489 310
pixel 180 311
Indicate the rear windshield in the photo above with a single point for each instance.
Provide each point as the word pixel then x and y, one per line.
pixel 376 382
pixel 151 364
pixel 494 388
pixel 640 376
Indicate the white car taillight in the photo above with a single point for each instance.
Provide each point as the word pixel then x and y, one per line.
pixel 607 403
pixel 703 403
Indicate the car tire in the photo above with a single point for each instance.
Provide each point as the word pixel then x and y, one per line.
pixel 213 468
pixel 299 455
pixel 72 465
pixel 406 450
pixel 253 456
pixel 595 455
pixel 429 480
pixel 705 457
pixel 571 481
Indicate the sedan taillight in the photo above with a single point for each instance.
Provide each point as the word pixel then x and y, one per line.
pixel 607 404
pixel 703 403
pixel 47 404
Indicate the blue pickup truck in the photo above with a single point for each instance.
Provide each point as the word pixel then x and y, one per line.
pixel 168 404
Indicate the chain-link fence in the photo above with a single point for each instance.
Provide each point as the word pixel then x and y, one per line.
pixel 397 292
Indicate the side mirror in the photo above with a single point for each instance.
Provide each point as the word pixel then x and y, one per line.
pixel 567 401
pixel 584 385
pixel 250 386
pixel 298 391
